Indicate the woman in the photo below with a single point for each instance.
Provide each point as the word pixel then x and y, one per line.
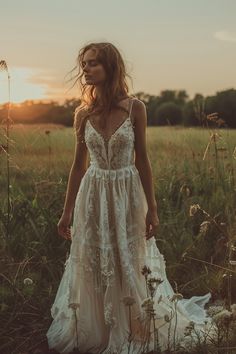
pixel 100 301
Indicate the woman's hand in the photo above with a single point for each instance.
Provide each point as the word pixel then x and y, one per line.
pixel 63 226
pixel 152 223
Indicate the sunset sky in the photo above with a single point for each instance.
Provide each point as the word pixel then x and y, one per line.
pixel 167 44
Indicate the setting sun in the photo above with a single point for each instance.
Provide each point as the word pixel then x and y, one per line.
pixel 22 86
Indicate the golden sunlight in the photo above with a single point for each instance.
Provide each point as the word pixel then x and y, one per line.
pixel 21 87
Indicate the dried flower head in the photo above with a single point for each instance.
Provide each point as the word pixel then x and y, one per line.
pixel 223 317
pixel 204 227
pixel 194 209
pixel 213 310
pixel 147 302
pixel 185 190
pixel 128 300
pixel 3 65
pixel 146 270
pixel 233 310
pixel 74 306
pixel 28 281
pixel 188 329
pixel 176 297
pixel 167 318
pixel 153 284
pixel 233 263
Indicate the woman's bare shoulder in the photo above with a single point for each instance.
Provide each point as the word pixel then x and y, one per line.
pixel 79 116
pixel 139 110
pixel 138 104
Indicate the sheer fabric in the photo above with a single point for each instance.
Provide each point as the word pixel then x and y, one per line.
pixel 107 253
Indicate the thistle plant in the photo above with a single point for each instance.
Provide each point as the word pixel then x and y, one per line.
pixel 48 134
pixel 4 67
pixel 129 301
pixel 152 284
pixel 230 241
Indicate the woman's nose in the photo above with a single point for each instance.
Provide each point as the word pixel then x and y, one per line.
pixel 85 69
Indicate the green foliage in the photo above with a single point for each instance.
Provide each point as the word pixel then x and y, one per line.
pixel 168 113
pixel 171 107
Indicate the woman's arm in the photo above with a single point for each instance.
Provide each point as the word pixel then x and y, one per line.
pixel 78 169
pixel 142 161
pixel 143 165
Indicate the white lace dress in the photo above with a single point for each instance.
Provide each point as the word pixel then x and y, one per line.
pixel 107 253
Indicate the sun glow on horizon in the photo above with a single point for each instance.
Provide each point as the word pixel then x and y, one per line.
pixel 22 87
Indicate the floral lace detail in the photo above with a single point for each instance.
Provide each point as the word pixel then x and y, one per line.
pixel 108 315
pixel 122 146
pixel 115 153
pixel 104 267
pixel 95 146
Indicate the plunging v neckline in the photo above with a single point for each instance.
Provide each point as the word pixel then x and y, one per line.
pixel 107 140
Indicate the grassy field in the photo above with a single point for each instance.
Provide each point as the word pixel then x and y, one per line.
pixel 190 166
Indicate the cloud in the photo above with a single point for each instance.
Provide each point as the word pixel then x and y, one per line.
pixel 225 36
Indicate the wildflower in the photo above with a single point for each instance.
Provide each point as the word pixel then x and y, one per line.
pixel 28 281
pixel 167 318
pixel 185 190
pixel 188 329
pixel 194 209
pixel 153 284
pixel 213 310
pixel 128 300
pixel 147 302
pixel 233 310
pixel 148 306
pixel 191 324
pixel 177 297
pixel 204 227
pixel 223 317
pixel 74 305
pixel 3 65
pixel 146 270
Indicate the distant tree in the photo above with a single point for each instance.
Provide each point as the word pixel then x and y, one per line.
pixel 168 113
pixel 171 107
pixel 181 97
pixel 190 110
pixel 151 103
pixel 167 96
pixel 225 104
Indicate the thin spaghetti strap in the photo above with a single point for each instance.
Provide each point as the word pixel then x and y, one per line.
pixel 131 104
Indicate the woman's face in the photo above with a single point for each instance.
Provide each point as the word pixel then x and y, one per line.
pixel 94 72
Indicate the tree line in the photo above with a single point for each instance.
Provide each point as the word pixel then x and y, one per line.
pixel 171 107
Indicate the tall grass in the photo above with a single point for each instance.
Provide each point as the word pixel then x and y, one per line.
pixel 184 175
pixel 5 148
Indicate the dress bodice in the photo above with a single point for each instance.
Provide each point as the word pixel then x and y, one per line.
pixel 116 152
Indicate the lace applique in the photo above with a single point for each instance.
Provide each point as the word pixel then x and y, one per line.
pixel 95 147
pixel 108 315
pixel 105 266
pixel 115 153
